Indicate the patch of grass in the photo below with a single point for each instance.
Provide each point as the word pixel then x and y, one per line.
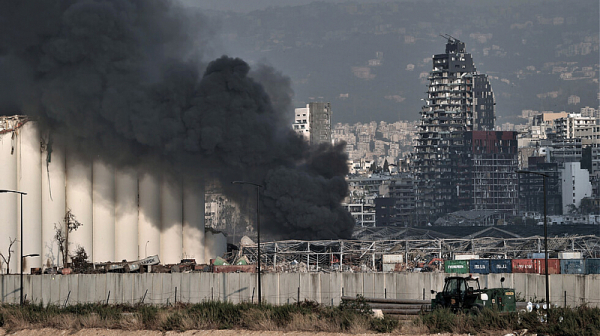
pixel 561 321
pixel 305 316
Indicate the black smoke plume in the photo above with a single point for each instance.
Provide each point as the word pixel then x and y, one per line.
pixel 126 82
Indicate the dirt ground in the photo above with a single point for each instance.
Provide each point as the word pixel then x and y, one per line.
pixel 113 332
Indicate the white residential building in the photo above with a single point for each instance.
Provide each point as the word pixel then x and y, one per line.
pixel 575 183
pixel 570 126
pixel 302 122
pixel 314 122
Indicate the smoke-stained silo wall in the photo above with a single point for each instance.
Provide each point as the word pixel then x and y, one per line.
pixel 8 201
pixel 171 239
pixel 79 200
pixel 126 215
pixel 53 199
pixel 122 213
pixel 215 245
pixel 149 216
pixel 193 222
pixel 30 181
pixel 103 211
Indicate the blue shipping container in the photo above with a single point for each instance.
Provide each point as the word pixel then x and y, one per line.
pixel 500 266
pixel 572 266
pixel 479 266
pixel 592 266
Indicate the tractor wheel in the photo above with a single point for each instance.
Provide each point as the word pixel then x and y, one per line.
pixel 476 309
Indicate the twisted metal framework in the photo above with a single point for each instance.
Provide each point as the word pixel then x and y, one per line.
pixel 365 256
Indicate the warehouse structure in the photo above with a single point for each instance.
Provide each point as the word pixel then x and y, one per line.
pixel 126 214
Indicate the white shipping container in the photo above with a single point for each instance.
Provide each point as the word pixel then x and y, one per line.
pixel 466 256
pixel 569 255
pixel 392 258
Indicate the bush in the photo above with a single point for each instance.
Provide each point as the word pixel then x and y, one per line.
pixel 384 325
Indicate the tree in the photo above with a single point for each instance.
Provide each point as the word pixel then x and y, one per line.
pixel 572 209
pixel 61 235
pixel 386 167
pixel 80 260
pixel 588 206
pixel 10 252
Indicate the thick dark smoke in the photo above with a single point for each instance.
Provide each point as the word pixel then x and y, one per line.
pixel 125 81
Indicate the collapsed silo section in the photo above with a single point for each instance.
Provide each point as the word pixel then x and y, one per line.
pixel 171 237
pixel 149 216
pixel 215 243
pixel 79 201
pixel 193 222
pixel 126 215
pixel 53 170
pixel 8 201
pixel 103 212
pixel 30 182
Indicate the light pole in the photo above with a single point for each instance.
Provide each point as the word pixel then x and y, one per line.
pixel 544 176
pixel 258 186
pixel 21 193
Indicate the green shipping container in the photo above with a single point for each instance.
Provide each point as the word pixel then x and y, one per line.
pixel 456 266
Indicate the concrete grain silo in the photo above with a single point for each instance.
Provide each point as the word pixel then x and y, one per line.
pixel 8 201
pixel 103 212
pixel 126 215
pixel 149 220
pixel 53 198
pixel 79 201
pixel 193 222
pixel 171 237
pixel 30 181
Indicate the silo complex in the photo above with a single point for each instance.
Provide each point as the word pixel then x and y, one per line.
pixel 125 214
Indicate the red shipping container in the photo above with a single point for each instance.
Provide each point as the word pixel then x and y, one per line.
pixel 523 266
pixel 540 266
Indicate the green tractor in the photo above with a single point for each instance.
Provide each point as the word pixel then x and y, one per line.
pixel 464 294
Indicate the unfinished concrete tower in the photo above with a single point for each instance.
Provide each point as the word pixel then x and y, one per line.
pixel 458 100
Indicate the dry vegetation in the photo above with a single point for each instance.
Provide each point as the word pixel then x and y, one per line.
pixel 307 317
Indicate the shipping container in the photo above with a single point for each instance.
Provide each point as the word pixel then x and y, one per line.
pixel 522 266
pixel 592 266
pixel 569 255
pixel 392 258
pixel 572 266
pixel 479 266
pixel 500 266
pixel 466 256
pixel 456 266
pixel 540 266
pixel 536 255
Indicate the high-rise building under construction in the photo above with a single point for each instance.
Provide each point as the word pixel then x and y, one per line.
pixel 459 108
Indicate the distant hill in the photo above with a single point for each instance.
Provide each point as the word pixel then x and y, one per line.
pixel 368 59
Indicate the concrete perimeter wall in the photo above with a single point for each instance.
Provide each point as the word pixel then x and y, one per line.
pixel 278 288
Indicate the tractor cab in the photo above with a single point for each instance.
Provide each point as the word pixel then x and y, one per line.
pixel 460 293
